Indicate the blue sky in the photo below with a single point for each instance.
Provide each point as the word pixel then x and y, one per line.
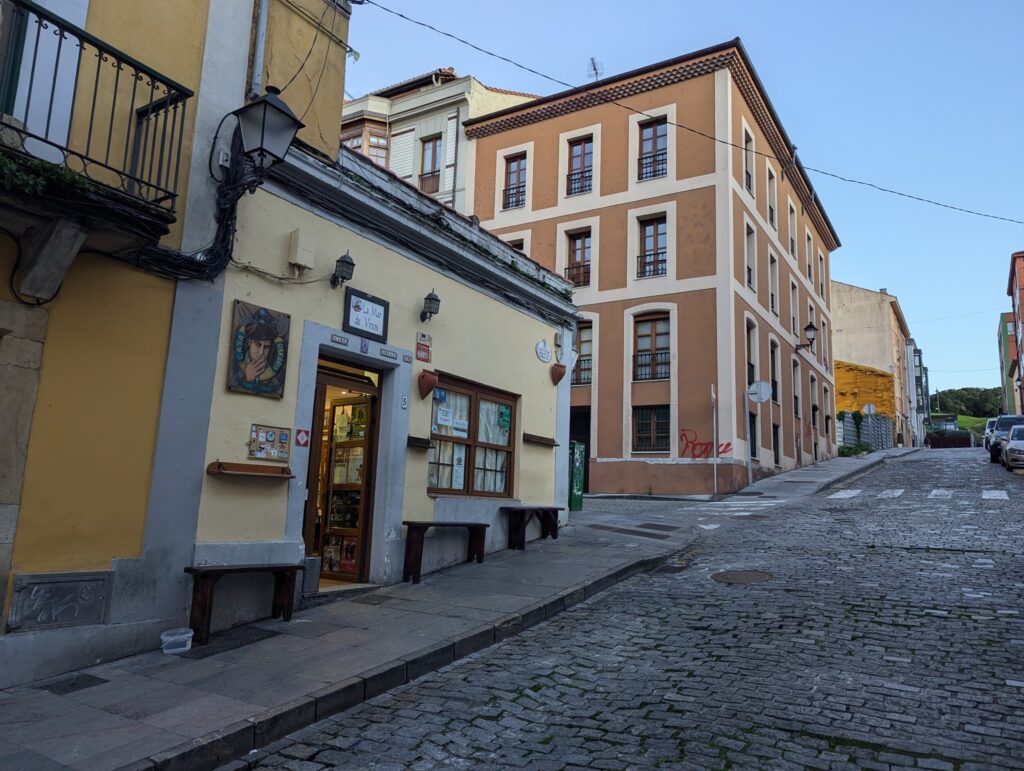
pixel 923 97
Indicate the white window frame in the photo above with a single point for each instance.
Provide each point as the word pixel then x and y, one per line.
pixel 582 295
pixel 773 283
pixel 793 246
pixel 650 284
pixel 797 375
pixel 749 164
pixel 749 255
pixel 809 256
pixel 518 235
pixel 594 132
pixel 628 320
pixel 821 274
pixel 656 185
pixel 773 196
pixel 500 157
pixel 794 309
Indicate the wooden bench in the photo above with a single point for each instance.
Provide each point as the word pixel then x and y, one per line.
pixel 519 517
pixel 205 577
pixel 414 544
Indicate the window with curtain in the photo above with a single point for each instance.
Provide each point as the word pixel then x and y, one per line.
pixel 472 438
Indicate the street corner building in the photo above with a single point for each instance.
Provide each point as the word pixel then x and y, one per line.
pixel 671 197
pixel 221 352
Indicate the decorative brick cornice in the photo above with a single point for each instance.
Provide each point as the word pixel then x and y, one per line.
pixel 587 99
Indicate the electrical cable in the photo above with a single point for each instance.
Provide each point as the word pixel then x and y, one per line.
pixel 323 67
pixel 316 34
pixel 19 251
pixel 692 130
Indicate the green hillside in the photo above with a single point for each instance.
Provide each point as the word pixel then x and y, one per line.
pixel 977 425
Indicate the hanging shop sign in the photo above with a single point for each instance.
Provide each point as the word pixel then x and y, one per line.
pixel 365 315
pixel 269 443
pixel 259 350
pixel 423 344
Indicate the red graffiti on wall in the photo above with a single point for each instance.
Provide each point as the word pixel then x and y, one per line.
pixel 695 448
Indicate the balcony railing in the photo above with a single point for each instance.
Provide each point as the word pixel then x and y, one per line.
pixel 652 366
pixel 69 98
pixel 430 182
pixel 651 264
pixel 577 182
pixel 578 273
pixel 514 197
pixel 582 371
pixel 651 165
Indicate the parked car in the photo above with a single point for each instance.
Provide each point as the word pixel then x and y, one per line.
pixel 989 425
pixel 999 433
pixel 1013 449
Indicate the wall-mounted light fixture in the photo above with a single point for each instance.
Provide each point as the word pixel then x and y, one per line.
pixel 431 305
pixel 1018 381
pixel 268 128
pixel 343 270
pixel 810 332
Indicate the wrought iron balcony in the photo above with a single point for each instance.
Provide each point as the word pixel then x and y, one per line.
pixel 68 98
pixel 514 197
pixel 652 366
pixel 577 182
pixel 578 273
pixel 651 165
pixel 582 371
pixel 430 182
pixel 651 264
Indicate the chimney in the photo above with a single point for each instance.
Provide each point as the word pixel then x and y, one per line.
pixel 883 290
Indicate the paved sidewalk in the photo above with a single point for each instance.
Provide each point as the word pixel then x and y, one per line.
pixel 154 710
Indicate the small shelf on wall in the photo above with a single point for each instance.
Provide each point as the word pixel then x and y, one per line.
pixel 546 441
pixel 263 471
pixel 418 442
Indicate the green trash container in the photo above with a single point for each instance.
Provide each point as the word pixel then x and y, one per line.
pixel 577 468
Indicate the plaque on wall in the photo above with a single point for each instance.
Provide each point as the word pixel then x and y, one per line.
pixel 51 600
pixel 365 315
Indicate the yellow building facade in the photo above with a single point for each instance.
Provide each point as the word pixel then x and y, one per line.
pixel 118 342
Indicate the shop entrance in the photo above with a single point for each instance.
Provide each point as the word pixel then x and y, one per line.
pixel 339 503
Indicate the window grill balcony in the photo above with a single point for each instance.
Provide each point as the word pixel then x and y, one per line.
pixel 430 182
pixel 514 197
pixel 582 371
pixel 651 264
pixel 69 98
pixel 578 273
pixel 771 215
pixel 652 366
pixel 748 180
pixel 652 165
pixel 577 182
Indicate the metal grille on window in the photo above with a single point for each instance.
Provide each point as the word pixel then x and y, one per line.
pixel 651 432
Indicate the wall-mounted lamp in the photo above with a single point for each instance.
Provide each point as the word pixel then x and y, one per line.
pixel 1018 381
pixel 343 270
pixel 268 128
pixel 431 305
pixel 810 332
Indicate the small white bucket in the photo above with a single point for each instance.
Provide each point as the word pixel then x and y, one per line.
pixel 176 640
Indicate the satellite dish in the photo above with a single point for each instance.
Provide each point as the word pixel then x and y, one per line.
pixel 869 409
pixel 759 391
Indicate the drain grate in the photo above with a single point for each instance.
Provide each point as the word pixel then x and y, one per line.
pixel 374 599
pixel 71 683
pixel 228 640
pixel 656 526
pixel 627 531
pixel 741 577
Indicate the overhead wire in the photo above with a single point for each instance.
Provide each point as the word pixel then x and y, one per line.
pixel 608 100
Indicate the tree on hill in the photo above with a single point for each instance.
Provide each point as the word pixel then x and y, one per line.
pixel 975 402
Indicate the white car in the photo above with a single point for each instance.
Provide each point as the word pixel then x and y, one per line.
pixel 1013 449
pixel 989 425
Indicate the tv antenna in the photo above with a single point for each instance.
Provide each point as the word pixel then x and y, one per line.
pixel 595 69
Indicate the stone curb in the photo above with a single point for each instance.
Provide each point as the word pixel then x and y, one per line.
pixel 237 740
pixel 866 467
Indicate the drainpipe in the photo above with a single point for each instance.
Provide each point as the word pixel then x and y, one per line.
pixel 256 86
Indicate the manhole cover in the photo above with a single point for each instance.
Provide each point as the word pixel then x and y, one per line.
pixel 71 683
pixel 741 577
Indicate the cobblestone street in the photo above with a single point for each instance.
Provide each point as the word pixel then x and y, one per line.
pixel 886 633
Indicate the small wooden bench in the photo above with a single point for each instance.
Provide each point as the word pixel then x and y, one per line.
pixel 519 517
pixel 414 544
pixel 205 577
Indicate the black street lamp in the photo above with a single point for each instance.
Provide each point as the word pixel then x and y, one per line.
pixel 268 128
pixel 810 332
pixel 343 270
